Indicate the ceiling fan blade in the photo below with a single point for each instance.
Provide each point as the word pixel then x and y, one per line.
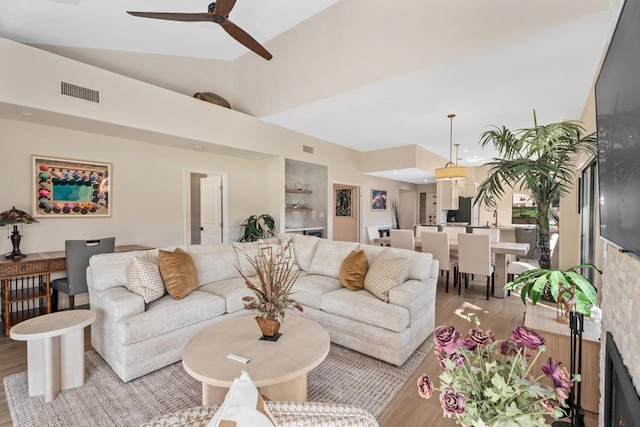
pixel 223 7
pixel 243 37
pixel 169 16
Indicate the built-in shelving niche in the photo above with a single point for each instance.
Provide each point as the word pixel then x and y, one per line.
pixel 305 195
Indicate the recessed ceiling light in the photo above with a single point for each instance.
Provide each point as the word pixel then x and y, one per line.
pixel 395 172
pixel 26 113
pixel 198 147
pixel 465 151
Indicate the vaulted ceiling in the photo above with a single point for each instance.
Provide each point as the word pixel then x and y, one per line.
pixel 364 74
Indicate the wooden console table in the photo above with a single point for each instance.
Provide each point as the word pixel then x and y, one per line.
pixel 31 277
pixel 542 318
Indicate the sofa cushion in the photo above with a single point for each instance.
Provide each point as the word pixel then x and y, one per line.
pixel 353 269
pixel 167 314
pixel 419 262
pixel 244 252
pixel 384 274
pixel 329 255
pixel 232 291
pixel 364 307
pixel 243 406
pixel 144 279
pixel 214 262
pixel 308 290
pixel 303 246
pixel 109 270
pixel 179 272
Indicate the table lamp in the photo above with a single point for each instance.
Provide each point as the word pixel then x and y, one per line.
pixel 14 217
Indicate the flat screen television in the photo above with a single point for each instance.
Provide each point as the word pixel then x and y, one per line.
pixel 618 122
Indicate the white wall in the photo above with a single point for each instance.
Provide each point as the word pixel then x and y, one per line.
pixel 147 186
pixel 135 111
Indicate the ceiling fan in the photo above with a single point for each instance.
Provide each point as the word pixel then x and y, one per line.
pixel 218 13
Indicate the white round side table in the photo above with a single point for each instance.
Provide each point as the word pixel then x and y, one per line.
pixel 55 350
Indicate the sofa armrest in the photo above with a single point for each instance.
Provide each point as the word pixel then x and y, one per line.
pixel 419 298
pixel 412 295
pixel 435 269
pixel 116 303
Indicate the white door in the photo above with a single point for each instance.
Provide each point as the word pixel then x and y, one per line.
pixel 210 210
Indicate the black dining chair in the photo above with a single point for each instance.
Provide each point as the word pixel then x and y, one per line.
pixel 77 254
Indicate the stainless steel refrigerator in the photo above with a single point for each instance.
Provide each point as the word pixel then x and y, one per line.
pixel 467 212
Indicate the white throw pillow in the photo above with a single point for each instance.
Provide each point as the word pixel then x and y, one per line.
pixel 243 406
pixel 384 274
pixel 144 279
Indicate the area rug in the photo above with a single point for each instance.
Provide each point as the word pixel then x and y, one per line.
pixel 345 376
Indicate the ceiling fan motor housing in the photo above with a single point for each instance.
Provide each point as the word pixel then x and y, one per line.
pixel 218 19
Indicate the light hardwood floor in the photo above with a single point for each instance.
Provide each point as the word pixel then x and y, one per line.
pixel 407 409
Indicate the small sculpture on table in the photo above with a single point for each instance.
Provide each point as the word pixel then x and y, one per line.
pixel 565 303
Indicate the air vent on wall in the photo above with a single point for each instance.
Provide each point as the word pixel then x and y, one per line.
pixel 307 149
pixel 79 92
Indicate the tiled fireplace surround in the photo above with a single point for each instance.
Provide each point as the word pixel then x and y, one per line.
pixel 620 313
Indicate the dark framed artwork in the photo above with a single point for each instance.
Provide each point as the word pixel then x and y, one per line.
pixel 378 200
pixel 343 202
pixel 70 188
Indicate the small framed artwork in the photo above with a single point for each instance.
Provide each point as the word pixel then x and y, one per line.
pixel 378 200
pixel 343 202
pixel 70 188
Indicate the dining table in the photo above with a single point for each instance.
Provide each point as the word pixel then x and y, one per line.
pixel 500 249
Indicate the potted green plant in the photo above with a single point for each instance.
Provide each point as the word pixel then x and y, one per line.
pixel 537 160
pixel 257 227
pixel 569 288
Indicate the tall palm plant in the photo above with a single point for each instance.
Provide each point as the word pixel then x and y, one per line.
pixel 539 160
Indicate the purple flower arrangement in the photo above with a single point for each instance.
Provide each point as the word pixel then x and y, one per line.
pixel 489 382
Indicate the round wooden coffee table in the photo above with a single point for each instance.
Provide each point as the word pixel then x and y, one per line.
pixel 279 369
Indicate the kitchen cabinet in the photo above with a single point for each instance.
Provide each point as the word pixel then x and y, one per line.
pixel 447 195
pixel 468 189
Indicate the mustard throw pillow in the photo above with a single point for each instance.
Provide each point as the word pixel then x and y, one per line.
pixel 354 268
pixel 178 272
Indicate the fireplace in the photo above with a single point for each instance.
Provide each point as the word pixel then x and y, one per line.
pixel 622 404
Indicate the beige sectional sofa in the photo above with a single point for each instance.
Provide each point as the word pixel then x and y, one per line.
pixel 137 338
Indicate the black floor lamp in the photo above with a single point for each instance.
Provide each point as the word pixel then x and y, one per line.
pixel 15 217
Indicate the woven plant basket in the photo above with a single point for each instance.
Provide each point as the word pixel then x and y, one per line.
pixel 269 327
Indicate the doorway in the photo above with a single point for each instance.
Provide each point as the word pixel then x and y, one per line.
pixel 205 210
pixel 407 207
pixel 346 212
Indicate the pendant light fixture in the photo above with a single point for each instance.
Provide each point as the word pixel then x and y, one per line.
pixel 451 171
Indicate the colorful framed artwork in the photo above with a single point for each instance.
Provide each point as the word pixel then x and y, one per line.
pixel 343 202
pixel 378 200
pixel 70 188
